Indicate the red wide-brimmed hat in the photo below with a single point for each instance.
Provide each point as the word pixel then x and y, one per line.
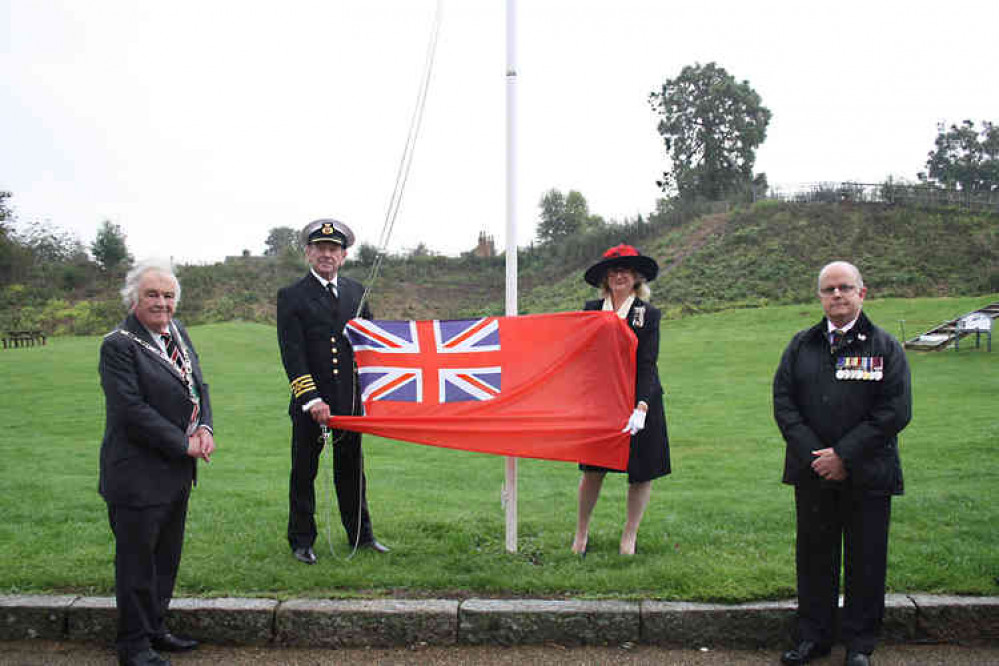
pixel 622 255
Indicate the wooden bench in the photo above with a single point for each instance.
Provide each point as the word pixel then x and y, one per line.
pixel 16 339
pixel 977 323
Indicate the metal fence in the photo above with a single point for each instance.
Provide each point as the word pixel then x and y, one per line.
pixel 887 193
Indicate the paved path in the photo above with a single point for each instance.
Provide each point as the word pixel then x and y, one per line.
pixel 59 653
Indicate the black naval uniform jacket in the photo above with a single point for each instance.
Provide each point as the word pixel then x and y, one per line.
pixel 859 418
pixel 650 457
pixel 144 459
pixel 317 356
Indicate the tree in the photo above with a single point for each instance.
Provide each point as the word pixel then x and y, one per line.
pixel 109 248
pixel 562 215
pixel 5 212
pixel 712 126
pixel 421 250
pixel 279 240
pixel 367 254
pixel 965 158
pixel 7 246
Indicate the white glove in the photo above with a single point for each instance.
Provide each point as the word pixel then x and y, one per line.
pixel 635 422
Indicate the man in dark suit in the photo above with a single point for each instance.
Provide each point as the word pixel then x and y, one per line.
pixel 159 422
pixel 319 361
pixel 842 393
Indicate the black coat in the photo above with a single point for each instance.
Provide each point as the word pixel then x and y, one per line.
pixel 317 355
pixel 858 418
pixel 649 457
pixel 144 458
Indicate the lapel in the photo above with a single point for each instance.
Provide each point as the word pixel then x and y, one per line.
pixel 133 326
pixel 861 331
pixel 321 297
pixel 637 314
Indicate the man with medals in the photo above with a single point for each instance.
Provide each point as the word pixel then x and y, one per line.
pixel 319 362
pixel 841 394
pixel 159 423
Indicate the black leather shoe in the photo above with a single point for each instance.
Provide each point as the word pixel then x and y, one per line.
pixel 804 653
pixel 147 657
pixel 857 659
pixel 170 643
pixel 305 555
pixel 373 545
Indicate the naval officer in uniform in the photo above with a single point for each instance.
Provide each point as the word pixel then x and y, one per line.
pixel 319 361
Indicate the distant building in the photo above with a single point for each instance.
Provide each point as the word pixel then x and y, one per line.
pixel 486 246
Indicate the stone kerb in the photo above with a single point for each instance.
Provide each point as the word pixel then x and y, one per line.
pixel 899 625
pixel 693 625
pixel 952 619
pixel 33 616
pixel 92 618
pixel 226 620
pixel 366 623
pixel 537 621
pixel 384 623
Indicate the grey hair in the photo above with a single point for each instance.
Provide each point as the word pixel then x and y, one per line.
pixel 642 290
pixel 130 292
pixel 841 264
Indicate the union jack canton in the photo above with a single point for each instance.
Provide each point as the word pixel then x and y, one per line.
pixel 439 361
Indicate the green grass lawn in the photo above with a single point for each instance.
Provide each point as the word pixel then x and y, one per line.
pixel 720 528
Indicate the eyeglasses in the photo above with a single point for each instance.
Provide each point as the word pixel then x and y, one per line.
pixel 844 289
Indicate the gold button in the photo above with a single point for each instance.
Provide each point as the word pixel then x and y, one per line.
pixel 332 338
pixel 336 361
pixel 335 372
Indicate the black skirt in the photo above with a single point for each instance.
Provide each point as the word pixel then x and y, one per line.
pixel 648 458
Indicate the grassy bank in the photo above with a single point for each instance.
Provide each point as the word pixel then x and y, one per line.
pixel 719 528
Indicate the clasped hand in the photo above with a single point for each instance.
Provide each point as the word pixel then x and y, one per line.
pixel 828 465
pixel 201 444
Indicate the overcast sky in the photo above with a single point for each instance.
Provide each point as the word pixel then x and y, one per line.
pixel 198 125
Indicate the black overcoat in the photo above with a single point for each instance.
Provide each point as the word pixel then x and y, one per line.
pixel 649 457
pixel 858 417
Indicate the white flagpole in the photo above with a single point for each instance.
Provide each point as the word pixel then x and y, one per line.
pixel 510 486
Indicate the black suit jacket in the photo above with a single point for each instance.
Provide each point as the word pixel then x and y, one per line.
pixel 317 356
pixel 144 457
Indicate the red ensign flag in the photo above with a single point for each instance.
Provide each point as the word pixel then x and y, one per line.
pixel 551 386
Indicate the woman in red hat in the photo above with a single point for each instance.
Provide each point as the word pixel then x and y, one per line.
pixel 622 276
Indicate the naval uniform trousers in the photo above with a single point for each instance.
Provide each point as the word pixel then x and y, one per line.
pixel 348 477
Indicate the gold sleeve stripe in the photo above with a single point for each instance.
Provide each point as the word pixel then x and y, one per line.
pixel 304 379
pixel 302 385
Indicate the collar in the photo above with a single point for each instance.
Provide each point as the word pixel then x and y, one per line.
pixel 830 327
pixel 860 329
pixel 625 308
pixel 155 335
pixel 324 281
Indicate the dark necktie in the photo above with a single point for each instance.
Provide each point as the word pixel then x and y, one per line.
pixel 837 340
pixel 332 289
pixel 172 350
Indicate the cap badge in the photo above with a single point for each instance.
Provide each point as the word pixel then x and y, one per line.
pixel 327 229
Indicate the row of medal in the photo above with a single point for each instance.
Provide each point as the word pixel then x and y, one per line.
pixel 868 368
